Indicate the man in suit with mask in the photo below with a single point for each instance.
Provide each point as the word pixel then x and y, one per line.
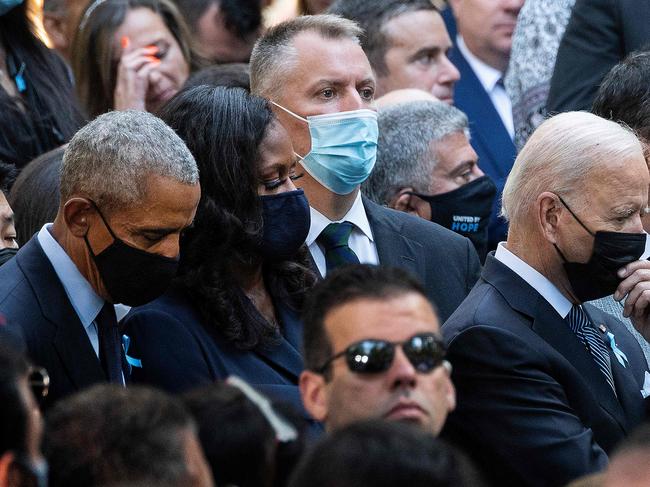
pixel 547 386
pixel 427 167
pixel 129 186
pixel 316 74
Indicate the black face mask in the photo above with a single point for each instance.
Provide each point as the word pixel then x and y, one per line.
pixel 465 210
pixel 6 254
pixel 597 278
pixel 132 276
pixel 286 224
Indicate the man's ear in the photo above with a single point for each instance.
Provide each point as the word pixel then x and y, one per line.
pixel 548 209
pixel 313 393
pixel 7 473
pixel 406 202
pixel 77 212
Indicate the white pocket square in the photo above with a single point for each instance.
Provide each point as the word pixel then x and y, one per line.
pixel 645 392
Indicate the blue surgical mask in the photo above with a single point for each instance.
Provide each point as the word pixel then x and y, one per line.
pixel 343 148
pixel 7 5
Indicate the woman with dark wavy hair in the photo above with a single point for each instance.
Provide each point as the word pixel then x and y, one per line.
pixel 244 268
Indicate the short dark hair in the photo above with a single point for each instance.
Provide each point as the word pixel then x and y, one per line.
pixel 238 441
pixel 233 75
pixel 382 454
pixel 13 408
pixel 342 286
pixel 35 196
pixel 242 17
pixel 372 17
pixel 109 434
pixel 8 173
pixel 624 94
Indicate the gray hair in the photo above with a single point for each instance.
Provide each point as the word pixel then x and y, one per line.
pixel 405 156
pixel 558 158
pixel 274 54
pixel 110 159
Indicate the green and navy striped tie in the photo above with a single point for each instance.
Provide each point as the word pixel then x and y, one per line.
pixel 334 239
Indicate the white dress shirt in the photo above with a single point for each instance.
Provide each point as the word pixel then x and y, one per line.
pixel 361 241
pixel 536 280
pixel 489 77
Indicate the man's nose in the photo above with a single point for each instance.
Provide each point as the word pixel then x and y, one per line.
pixel 448 72
pixel 401 373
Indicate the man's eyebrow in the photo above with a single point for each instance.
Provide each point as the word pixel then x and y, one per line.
pixel 157 230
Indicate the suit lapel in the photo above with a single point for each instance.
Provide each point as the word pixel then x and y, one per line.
pixel 549 325
pixel 71 340
pixel 393 248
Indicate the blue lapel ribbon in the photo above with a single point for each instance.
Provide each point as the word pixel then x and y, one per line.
pixel 133 362
pixel 620 356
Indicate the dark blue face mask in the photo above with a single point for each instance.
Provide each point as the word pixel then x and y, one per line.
pixel 286 220
pixel 6 254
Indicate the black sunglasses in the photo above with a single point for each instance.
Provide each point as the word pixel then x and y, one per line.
pixel 425 351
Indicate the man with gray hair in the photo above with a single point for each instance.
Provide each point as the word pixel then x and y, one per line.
pixel 129 186
pixel 320 82
pixel 547 385
pixel 426 167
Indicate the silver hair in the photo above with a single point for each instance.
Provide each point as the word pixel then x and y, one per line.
pixel 274 54
pixel 110 159
pixel 408 133
pixel 558 157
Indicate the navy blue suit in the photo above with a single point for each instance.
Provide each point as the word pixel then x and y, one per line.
pixel 533 407
pixel 37 309
pixel 490 138
pixel 178 352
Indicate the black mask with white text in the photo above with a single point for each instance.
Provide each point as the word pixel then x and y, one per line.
pixel 598 277
pixel 465 210
pixel 131 275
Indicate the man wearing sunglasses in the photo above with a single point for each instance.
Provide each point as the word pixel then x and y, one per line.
pixel 547 384
pixel 373 350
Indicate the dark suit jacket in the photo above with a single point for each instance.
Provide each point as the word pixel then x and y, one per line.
pixel 490 139
pixel 533 407
pixel 600 33
pixel 37 309
pixel 444 261
pixel 179 353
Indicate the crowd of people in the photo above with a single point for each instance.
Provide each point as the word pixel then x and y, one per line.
pixel 376 243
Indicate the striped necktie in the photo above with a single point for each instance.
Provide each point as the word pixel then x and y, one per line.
pixel 581 325
pixel 334 239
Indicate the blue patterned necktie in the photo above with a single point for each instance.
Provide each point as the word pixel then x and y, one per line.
pixel 334 239
pixel 581 325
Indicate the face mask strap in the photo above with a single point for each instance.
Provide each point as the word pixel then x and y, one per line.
pixel 110 230
pixel 290 112
pixel 575 216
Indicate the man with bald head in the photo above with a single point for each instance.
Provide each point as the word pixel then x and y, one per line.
pixel 319 80
pixel 547 385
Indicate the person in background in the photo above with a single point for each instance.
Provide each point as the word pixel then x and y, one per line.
pixel 35 195
pixel 61 21
pixel 373 350
pixel 21 426
pixel 244 270
pixel 313 7
pixel 629 466
pixel 38 111
pixel 231 74
pixel 242 433
pixel 129 187
pixel 481 53
pixel 108 434
pixel 8 238
pixel 376 453
pixel 547 384
pixel 130 55
pixel 407 44
pixel 325 101
pixel 224 30
pixel 427 167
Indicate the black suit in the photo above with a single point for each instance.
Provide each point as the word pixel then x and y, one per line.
pixel 533 407
pixel 36 308
pixel 444 261
pixel 600 33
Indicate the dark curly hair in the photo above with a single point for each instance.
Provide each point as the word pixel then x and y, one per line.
pixel 223 128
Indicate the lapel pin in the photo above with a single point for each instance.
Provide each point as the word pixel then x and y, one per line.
pixel 602 328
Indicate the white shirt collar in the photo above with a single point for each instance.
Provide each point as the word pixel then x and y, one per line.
pixel 85 301
pixel 540 283
pixel 486 74
pixel 355 215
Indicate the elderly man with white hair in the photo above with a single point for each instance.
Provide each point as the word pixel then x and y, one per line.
pixel 547 386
